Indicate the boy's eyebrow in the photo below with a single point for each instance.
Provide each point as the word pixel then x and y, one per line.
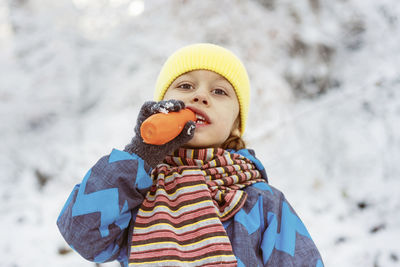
pixel 185 74
pixel 222 79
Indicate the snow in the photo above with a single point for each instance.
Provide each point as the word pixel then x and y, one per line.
pixel 190 129
pixel 324 115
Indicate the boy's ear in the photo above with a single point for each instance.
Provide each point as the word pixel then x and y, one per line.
pixel 236 128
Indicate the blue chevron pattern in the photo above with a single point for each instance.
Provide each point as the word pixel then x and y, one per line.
pixel 240 263
pixel 93 199
pixel 118 155
pixel 269 237
pixel 285 240
pixel 125 217
pixel 71 196
pixel 104 201
pixel 107 253
pixel 226 223
pixel 143 179
pixel 263 186
pixel 251 221
pixel 290 224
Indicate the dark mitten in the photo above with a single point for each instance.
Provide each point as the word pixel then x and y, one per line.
pixel 155 154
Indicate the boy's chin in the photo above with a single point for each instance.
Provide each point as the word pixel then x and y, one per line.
pixel 198 144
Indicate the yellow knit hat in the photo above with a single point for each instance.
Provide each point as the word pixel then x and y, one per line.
pixel 212 57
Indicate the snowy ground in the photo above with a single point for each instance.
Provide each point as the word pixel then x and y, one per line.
pixel 324 116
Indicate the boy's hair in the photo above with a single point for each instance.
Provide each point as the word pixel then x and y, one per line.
pixel 234 142
pixel 211 57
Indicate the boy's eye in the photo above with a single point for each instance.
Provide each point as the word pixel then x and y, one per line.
pixel 220 92
pixel 185 86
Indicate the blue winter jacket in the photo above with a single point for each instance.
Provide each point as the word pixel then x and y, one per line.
pixel 97 219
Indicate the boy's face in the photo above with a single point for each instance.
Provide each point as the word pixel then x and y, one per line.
pixel 214 101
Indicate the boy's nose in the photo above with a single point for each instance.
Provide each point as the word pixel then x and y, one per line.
pixel 201 99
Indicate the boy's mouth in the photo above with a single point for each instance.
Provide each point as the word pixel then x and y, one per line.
pixel 201 117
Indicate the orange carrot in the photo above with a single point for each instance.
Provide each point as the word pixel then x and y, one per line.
pixel 161 128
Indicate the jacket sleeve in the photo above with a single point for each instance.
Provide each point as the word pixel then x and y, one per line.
pixel 95 219
pixel 286 241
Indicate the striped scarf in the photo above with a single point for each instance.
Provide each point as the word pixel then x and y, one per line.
pixel 179 222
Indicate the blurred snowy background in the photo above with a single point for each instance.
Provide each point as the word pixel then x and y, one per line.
pixel 324 115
